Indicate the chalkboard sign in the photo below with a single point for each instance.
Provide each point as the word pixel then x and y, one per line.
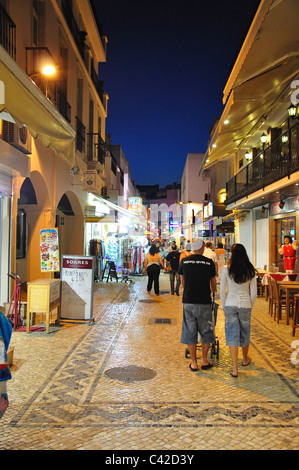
pixel 77 276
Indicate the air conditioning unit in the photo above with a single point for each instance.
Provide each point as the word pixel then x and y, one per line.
pixel 90 211
pixel 17 137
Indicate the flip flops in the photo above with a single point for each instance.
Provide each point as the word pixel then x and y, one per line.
pixel 233 375
pixel 245 365
pixel 202 367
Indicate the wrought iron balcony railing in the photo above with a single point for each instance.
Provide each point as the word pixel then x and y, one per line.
pixel 273 163
pixel 54 89
pixel 95 148
pixel 80 136
pixel 79 38
pixel 7 33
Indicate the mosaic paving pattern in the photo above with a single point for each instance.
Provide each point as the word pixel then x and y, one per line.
pixel 78 393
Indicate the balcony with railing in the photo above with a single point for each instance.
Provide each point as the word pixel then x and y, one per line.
pixel 273 163
pixel 53 88
pixel 95 148
pixel 79 38
pixel 80 136
pixel 7 33
pixel 98 84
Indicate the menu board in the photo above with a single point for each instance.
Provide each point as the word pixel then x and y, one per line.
pixel 77 280
pixel 49 250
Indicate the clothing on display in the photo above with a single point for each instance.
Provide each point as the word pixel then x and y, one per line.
pixel 97 249
pixel 137 260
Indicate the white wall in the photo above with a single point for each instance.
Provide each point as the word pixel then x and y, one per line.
pixel 244 234
pixel 262 243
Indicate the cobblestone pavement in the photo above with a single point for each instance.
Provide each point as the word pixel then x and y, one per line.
pixel 123 382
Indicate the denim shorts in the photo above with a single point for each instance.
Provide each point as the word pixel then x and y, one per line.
pixel 237 326
pixel 197 318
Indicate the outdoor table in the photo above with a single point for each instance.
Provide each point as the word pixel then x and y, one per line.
pixel 287 277
pixel 283 276
pixel 288 286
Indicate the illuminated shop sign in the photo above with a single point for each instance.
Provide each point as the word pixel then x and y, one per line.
pixel 208 210
pixel 135 204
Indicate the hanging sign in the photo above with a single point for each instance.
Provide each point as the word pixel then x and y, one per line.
pixel 90 180
pixel 49 250
pixel 77 278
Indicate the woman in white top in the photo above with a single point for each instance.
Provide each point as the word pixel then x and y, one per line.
pixel 152 264
pixel 238 278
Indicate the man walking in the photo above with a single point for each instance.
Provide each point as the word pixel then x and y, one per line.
pixel 198 278
pixel 173 258
pixel 209 253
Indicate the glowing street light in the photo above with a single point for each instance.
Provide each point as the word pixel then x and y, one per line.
pixel 49 70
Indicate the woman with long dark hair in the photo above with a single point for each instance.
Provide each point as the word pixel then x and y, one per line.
pixel 238 292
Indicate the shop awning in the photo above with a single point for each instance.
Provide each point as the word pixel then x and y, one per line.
pixel 130 214
pixel 257 93
pixel 28 106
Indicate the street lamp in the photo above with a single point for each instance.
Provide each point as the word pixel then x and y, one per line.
pixel 292 110
pixel 248 156
pixel 47 71
pixel 263 138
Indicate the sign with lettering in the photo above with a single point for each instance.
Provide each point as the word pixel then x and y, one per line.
pixel 77 279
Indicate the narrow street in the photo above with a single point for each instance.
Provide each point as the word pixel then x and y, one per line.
pixel 124 383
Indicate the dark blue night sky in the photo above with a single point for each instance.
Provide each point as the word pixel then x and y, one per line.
pixel 167 64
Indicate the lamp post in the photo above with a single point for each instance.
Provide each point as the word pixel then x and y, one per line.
pixel 292 110
pixel 47 71
pixel 264 140
pixel 248 155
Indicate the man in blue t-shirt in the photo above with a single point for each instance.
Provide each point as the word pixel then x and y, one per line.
pixel 198 278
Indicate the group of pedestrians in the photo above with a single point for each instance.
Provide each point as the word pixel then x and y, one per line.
pixel 154 262
pixel 197 271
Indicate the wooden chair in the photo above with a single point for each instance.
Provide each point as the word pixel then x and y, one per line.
pixel 259 286
pixel 295 314
pixel 270 298
pixel 279 301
